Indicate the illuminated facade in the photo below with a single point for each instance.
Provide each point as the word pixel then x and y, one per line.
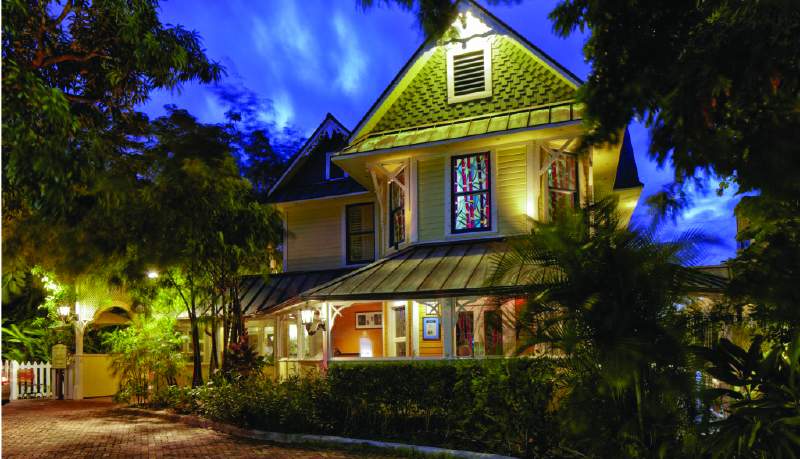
pixel 392 228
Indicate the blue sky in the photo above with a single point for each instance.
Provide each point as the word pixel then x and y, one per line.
pixel 304 59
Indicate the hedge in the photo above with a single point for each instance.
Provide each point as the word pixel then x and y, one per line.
pixel 498 405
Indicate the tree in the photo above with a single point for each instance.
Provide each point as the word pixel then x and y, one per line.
pixel 203 227
pixel 73 73
pixel 606 299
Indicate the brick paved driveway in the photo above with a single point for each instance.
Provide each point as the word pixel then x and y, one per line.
pixel 90 428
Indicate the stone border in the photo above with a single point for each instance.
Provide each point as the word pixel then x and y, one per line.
pixel 288 438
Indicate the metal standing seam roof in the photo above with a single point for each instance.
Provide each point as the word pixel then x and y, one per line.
pixel 431 270
pixel 462 268
pixel 259 295
pixel 462 128
pixel 422 271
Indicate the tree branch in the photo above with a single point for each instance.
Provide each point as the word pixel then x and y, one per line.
pixel 64 13
pixel 80 99
pixel 48 61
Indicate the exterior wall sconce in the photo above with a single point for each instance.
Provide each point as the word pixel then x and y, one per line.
pixel 311 321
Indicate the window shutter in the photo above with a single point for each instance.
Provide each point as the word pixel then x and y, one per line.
pixel 468 73
pixel 360 233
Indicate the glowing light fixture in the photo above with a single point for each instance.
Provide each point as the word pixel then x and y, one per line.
pixel 85 312
pixel 468 25
pixel 63 311
pixel 152 274
pixel 311 323
pixel 307 316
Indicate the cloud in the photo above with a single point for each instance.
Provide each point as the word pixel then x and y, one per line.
pixel 352 62
pixel 287 42
pixel 284 110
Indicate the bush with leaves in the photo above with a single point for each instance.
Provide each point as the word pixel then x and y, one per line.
pixel 502 405
pixel 241 359
pixel 764 395
pixel 144 355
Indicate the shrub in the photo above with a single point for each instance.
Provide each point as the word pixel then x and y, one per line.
pixel 493 405
pixel 181 399
pixel 496 405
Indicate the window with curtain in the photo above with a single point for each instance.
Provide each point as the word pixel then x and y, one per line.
pixel 493 332
pixel 397 213
pixel 471 196
pixel 562 183
pixel 465 334
pixel 360 233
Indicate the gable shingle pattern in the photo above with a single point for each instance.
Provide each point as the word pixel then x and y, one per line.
pixel 518 80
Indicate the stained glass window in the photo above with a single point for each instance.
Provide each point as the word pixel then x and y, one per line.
pixel 471 206
pixel 397 214
pixel 562 182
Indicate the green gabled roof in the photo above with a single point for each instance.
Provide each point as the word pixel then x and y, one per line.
pixel 519 81
pixel 523 76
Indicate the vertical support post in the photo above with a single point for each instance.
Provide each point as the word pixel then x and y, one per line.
pixel 326 337
pixel 13 380
pixel 447 326
pixel 78 391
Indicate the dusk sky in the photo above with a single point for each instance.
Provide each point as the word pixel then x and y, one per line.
pixel 304 59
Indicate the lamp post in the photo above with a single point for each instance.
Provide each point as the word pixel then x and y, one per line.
pixel 84 313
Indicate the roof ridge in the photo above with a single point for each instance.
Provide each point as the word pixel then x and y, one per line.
pixel 299 153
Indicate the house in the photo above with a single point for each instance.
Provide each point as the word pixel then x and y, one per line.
pixel 392 227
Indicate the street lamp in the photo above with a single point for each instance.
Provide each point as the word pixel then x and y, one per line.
pixel 312 324
pixel 152 274
pixel 63 312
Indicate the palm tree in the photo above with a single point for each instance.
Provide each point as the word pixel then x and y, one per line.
pixel 606 301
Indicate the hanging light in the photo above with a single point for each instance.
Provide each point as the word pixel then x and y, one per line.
pixel 307 316
pixel 308 320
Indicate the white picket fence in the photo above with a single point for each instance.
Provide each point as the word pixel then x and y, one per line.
pixel 28 379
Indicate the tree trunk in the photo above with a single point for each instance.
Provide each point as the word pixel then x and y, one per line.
pixel 225 329
pixel 197 361
pixel 214 363
pixel 236 311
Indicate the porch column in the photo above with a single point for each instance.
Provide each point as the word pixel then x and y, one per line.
pixel 77 393
pixel 326 335
pixel 447 326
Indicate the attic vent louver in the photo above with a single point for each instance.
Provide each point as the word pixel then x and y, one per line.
pixel 469 73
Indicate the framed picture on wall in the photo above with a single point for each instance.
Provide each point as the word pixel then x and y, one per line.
pixel 430 328
pixel 372 319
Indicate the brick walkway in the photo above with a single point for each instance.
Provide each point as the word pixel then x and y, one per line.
pixel 90 428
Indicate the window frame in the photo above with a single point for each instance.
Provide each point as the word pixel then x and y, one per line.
pixel 328 163
pixel 391 211
pixel 454 195
pixel 347 234
pixel 576 192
